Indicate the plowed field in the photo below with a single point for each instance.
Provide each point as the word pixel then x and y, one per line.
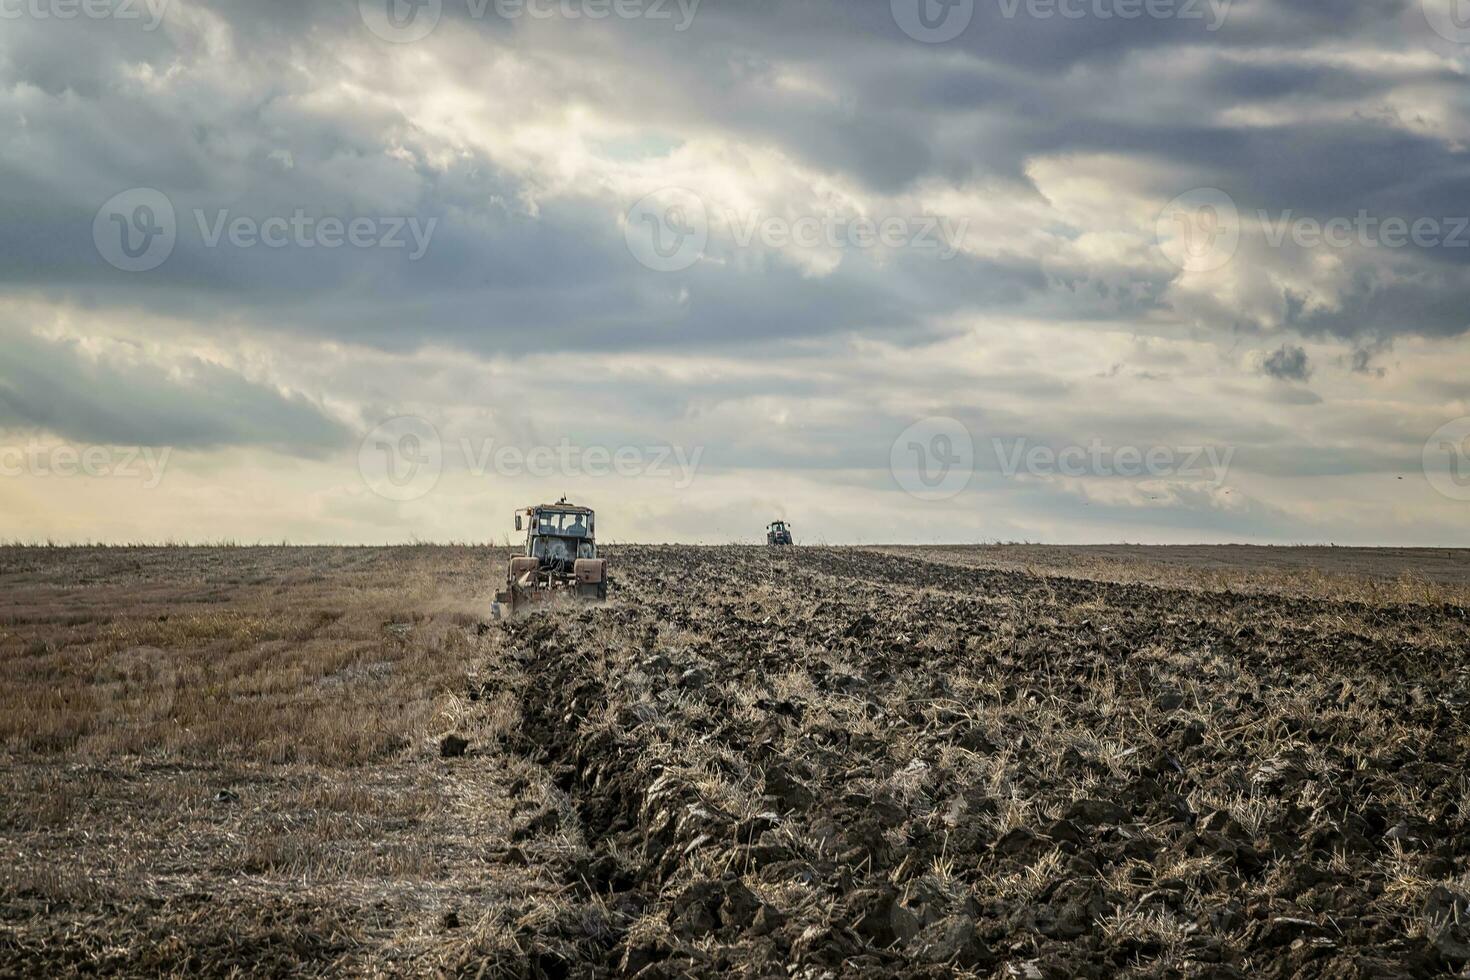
pixel 831 762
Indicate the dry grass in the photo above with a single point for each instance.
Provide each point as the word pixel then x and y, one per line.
pixel 251 730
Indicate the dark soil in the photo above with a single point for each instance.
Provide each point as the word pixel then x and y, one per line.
pixel 848 763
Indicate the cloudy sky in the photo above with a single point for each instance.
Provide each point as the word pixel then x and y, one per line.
pixel 919 270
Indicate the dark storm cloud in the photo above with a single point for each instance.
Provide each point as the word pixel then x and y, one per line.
pixel 1363 358
pixel 56 387
pixel 1287 363
pixel 262 138
pixel 1429 301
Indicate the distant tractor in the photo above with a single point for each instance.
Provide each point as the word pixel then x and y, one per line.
pixel 560 559
pixel 778 532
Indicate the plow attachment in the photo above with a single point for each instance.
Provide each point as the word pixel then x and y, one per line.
pixel 532 584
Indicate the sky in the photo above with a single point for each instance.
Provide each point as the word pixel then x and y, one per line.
pixel 365 271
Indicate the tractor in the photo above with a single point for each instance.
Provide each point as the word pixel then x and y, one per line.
pixel 560 559
pixel 778 533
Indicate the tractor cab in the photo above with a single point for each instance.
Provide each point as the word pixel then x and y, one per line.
pixel 558 534
pixel 560 558
pixel 778 532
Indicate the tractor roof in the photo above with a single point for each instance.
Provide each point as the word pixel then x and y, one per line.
pixel 561 508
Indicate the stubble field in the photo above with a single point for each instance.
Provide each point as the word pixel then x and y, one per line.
pixel 1027 763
